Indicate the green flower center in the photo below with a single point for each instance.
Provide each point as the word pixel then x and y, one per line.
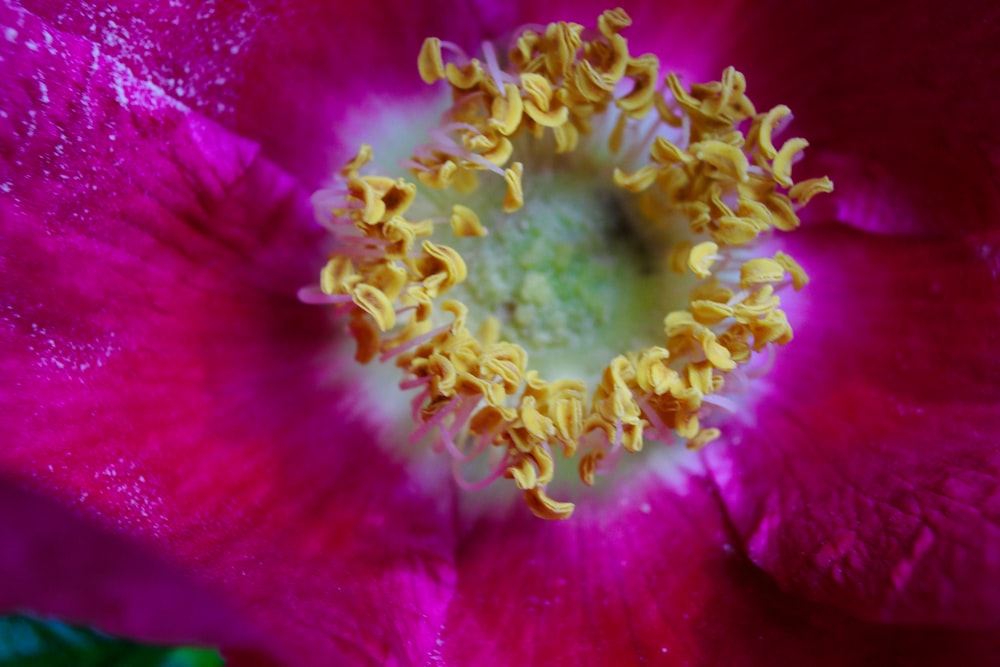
pixel 571 276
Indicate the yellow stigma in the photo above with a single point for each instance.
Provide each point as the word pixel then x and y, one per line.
pixel 694 170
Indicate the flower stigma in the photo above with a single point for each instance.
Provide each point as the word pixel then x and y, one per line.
pixel 575 263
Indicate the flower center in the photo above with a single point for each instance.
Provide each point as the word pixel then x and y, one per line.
pixel 576 266
pixel 573 277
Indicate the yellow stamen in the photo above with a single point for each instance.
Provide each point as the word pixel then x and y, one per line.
pixel 706 194
pixel 515 197
pixel 702 257
pixel 429 62
pixel 759 271
pixel 465 222
pixel 783 160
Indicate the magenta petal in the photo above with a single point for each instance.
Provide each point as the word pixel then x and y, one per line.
pixel 871 476
pixel 897 100
pixel 162 379
pixel 281 72
pixel 130 590
pixel 649 576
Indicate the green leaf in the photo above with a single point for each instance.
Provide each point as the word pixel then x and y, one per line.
pixel 30 642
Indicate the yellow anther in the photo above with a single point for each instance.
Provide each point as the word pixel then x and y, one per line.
pixel 677 260
pixel 363 157
pixel 653 373
pixel 444 375
pixel 799 277
pixel 524 475
pixel 568 420
pixel 489 332
pixel 687 422
pixel 515 196
pixel 765 139
pixel 716 206
pixel 445 267
pixel 806 190
pixel 338 276
pixel 490 419
pixel 465 222
pixel 588 465
pixel 785 218
pixel 507 110
pixel 613 21
pixel 705 436
pixel 687 397
pixel 666 113
pixel 460 311
pixel 544 507
pixel 636 181
pixel 375 303
pixel 733 103
pixel 366 336
pixel 618 134
pixel 552 117
pixel 736 341
pixel 755 212
pixel 618 61
pixel 716 354
pixel 567 137
pixel 772 328
pixel 680 323
pixel 632 437
pixel 416 295
pixel 665 152
pixel 728 159
pixel 365 191
pixel 421 227
pixel 565 38
pixel 438 177
pixel 783 160
pixel 466 76
pixel 465 181
pixel 682 96
pixel 546 466
pixel 429 62
pixel 759 303
pixel 710 312
pixel 500 151
pixel 645 72
pixel 702 257
pixel 537 90
pixel 699 377
pixel 760 271
pixel 735 231
pixel 507 362
pixel 619 371
pixel 712 290
pixel 591 85
pixel 388 278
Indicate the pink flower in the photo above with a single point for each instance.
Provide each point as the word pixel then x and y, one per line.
pixel 182 461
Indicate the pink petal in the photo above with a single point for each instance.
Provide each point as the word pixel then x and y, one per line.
pixel 162 379
pixel 870 478
pixel 649 575
pixel 105 578
pixel 897 100
pixel 281 72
